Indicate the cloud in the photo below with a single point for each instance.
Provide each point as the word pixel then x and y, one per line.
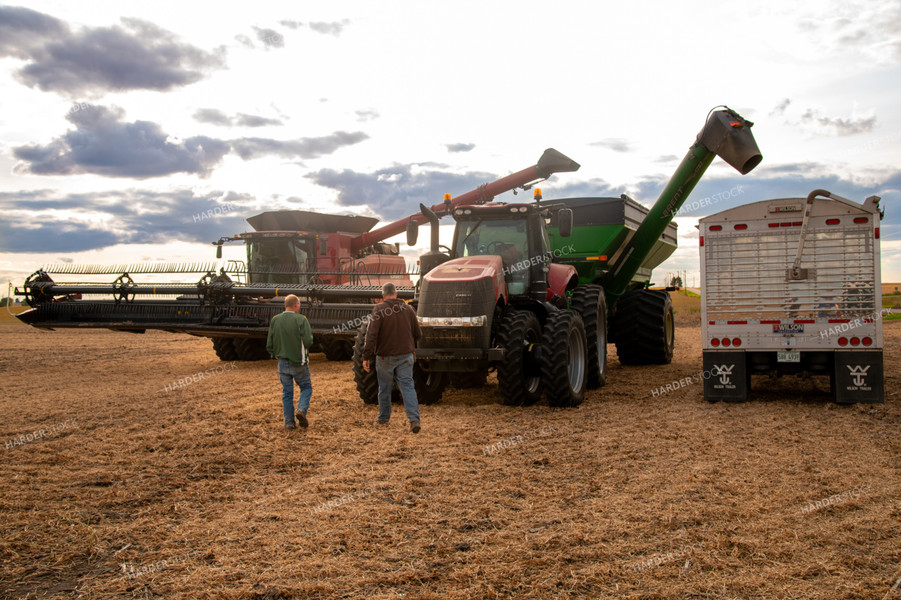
pixel 460 147
pixel 666 159
pixel 103 144
pixel 396 191
pixel 93 60
pixel 615 144
pixel 837 125
pixel 47 221
pixel 217 117
pixel 367 115
pixel 334 28
pixel 779 109
pixel 270 38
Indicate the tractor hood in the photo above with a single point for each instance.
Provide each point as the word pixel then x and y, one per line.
pixel 469 268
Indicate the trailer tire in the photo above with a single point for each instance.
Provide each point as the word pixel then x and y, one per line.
pixel 563 364
pixel 367 383
pixel 518 374
pixel 645 329
pixel 251 349
pixel 429 384
pixel 225 348
pixel 336 349
pixel 590 303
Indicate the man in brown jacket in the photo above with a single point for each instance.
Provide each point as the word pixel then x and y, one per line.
pixel 391 337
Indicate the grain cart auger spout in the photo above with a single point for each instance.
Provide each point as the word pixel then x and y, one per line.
pixel 335 263
pixel 528 289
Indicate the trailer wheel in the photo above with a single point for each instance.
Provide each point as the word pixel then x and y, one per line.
pixel 336 348
pixel 225 348
pixel 429 384
pixel 251 349
pixel 563 372
pixel 589 302
pixel 645 330
pixel 367 383
pixel 519 374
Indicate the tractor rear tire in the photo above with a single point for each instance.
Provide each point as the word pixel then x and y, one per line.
pixel 563 359
pixel 225 348
pixel 429 384
pixel 645 329
pixel 367 383
pixel 519 374
pixel 336 348
pixel 251 349
pixel 589 302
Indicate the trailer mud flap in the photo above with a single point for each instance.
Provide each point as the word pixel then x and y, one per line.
pixel 725 376
pixel 859 377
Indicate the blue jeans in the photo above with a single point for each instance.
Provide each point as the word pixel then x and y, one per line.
pixel 400 367
pixel 288 374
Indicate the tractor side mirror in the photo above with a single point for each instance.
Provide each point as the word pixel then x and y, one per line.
pixel 565 222
pixel 412 232
pixel 218 250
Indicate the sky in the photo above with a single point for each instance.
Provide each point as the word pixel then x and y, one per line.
pixel 123 125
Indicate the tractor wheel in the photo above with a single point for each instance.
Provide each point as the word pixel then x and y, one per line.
pixel 367 383
pixel 429 384
pixel 471 379
pixel 251 349
pixel 225 348
pixel 336 348
pixel 519 374
pixel 645 330
pixel 589 302
pixel 563 354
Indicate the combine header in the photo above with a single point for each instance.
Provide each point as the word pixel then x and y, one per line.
pixel 337 264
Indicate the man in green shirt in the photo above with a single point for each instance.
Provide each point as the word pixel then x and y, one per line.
pixel 290 337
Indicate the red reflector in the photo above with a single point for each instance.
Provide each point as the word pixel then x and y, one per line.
pixel 839 320
pixel 736 322
pixel 797 223
pixel 726 341
pixel 877 233
pixel 736 342
pixel 702 240
pixel 832 221
pixel 861 220
pixel 868 320
pixel 716 228
pixel 855 341
pixel 735 123
pixel 712 323
pixel 842 341
pixel 799 321
pixel 741 226
pixel 785 224
pixel 714 342
pixel 867 341
pixel 774 225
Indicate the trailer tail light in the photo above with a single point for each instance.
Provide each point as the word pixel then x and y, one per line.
pixel 861 220
pixel 740 226
pixel 832 221
pixel 877 233
pixel 716 228
pixel 714 342
pixel 867 341
pixel 736 342
pixel 727 342
pixel 855 341
pixel 842 341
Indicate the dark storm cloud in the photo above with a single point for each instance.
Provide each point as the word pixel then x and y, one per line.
pixel 460 147
pixel 248 148
pixel 396 191
pixel 103 144
pixel 35 221
pixel 217 117
pixel 93 60
pixel 615 144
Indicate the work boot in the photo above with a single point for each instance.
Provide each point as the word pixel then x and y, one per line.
pixel 290 427
pixel 384 423
pixel 414 426
pixel 301 418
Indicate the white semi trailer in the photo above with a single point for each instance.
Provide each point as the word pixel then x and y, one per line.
pixel 792 286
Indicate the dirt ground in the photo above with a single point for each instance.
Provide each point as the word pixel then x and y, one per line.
pixel 133 490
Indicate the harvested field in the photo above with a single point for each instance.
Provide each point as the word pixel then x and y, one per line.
pixel 133 490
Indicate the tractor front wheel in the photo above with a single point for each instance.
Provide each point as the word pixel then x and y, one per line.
pixel 563 354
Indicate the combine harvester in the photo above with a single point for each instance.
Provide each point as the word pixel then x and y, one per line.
pixel 792 286
pixel 337 263
pixel 527 293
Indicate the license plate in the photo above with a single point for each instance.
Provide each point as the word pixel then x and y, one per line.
pixel 788 357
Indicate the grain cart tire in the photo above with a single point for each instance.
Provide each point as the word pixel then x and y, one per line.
pixel 519 373
pixel 336 349
pixel 367 383
pixel 645 330
pixel 429 384
pixel 225 348
pixel 563 359
pixel 589 302
pixel 251 349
